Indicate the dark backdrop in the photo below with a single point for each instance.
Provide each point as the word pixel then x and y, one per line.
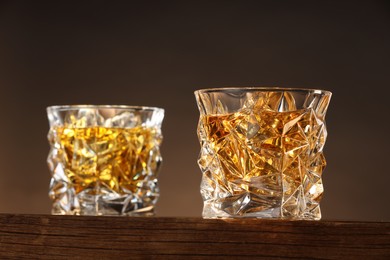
pixel 133 53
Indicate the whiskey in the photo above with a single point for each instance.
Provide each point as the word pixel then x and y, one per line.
pixel 261 162
pixel 104 168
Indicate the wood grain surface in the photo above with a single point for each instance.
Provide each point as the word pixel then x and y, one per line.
pixel 65 237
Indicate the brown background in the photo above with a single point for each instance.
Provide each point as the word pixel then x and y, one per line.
pixel 111 52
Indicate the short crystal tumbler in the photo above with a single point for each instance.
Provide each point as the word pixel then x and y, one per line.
pixel 262 152
pixel 104 160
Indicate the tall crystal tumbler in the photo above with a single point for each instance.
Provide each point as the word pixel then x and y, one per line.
pixel 262 152
pixel 104 160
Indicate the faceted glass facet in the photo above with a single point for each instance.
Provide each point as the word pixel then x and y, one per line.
pixel 104 160
pixel 262 152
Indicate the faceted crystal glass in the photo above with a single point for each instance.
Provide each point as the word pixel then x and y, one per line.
pixel 104 160
pixel 262 152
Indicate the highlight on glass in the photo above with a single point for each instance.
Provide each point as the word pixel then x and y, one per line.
pixel 104 160
pixel 262 151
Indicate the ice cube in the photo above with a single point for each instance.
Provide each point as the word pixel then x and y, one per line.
pixel 125 119
pixel 86 117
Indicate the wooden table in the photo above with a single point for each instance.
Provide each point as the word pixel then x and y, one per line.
pixel 61 237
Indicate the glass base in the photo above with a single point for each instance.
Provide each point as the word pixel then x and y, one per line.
pixel 102 205
pixel 214 209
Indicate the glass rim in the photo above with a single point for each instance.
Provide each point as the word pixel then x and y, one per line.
pixel 262 89
pixel 123 107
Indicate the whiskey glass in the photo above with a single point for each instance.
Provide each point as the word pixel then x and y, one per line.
pixel 262 151
pixel 104 159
